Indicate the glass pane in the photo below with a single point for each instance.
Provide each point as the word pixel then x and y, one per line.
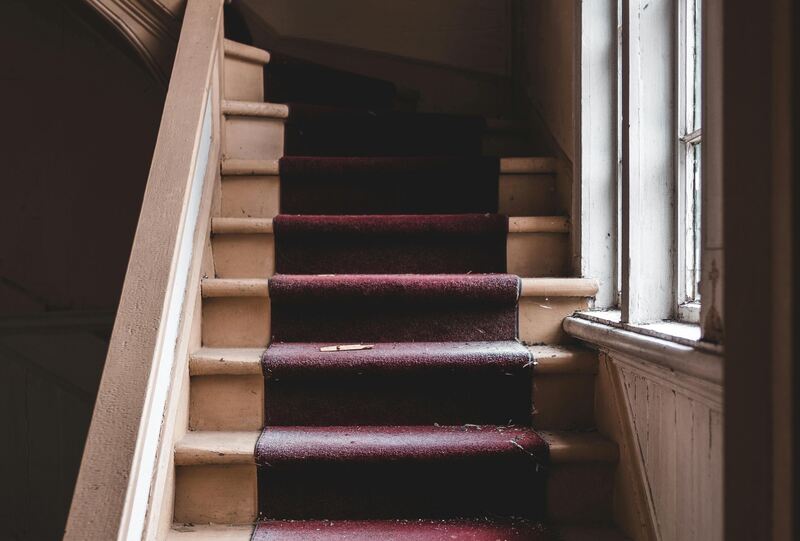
pixel 692 180
pixel 693 71
pixel 692 221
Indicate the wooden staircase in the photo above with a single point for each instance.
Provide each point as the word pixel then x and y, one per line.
pixel 216 494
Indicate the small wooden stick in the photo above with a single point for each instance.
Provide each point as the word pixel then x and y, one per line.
pixel 347 347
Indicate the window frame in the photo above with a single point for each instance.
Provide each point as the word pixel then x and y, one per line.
pixel 687 306
pixel 602 234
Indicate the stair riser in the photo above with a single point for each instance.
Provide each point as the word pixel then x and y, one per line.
pixel 255 196
pixel 528 195
pixel 581 493
pixel 216 494
pixel 504 144
pixel 246 138
pixel 245 321
pixel 253 138
pixel 227 494
pixel 236 403
pixel 253 255
pixel 244 80
pixel 563 401
pixel 444 489
pixel 518 194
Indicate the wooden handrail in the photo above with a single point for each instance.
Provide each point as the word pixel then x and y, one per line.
pixel 125 448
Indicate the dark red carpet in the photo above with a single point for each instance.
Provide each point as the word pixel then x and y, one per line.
pixel 393 308
pixel 374 244
pixel 421 383
pixel 393 185
pixel 389 238
pixel 403 530
pixel 362 472
pixel 313 130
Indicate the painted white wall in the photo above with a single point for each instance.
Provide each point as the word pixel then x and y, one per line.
pixel 548 50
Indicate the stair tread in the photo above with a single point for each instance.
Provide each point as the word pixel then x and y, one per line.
pixel 302 359
pixel 263 226
pixel 332 112
pixel 520 165
pixel 247 361
pixel 234 49
pixel 531 287
pixel 378 443
pixel 206 447
pixel 404 530
pixel 302 529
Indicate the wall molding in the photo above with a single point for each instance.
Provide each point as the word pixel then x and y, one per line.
pixel 677 358
pixel 150 28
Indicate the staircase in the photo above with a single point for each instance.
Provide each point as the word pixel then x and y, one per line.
pixel 382 354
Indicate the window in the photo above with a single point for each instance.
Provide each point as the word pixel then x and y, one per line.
pixel 659 155
pixel 689 161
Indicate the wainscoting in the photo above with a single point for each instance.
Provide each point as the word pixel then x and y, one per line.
pixel 676 428
pixel 662 403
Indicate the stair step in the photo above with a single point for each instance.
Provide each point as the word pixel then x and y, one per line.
pixel 531 287
pixel 240 51
pixel 513 186
pixel 264 226
pixel 224 448
pixel 314 130
pixel 294 80
pixel 309 113
pixel 216 474
pixel 403 530
pixel 549 360
pixel 244 72
pixel 398 384
pixel 394 307
pixel 236 312
pixel 417 530
pixel 372 244
pixel 404 384
pixel 510 166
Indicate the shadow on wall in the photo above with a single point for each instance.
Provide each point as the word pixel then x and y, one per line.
pixel 80 119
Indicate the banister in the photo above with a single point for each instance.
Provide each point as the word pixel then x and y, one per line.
pixel 125 446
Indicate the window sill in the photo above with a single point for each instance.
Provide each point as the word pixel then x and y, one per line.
pixel 689 312
pixel 673 345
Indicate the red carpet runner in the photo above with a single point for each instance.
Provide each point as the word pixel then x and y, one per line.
pixel 405 530
pixel 313 130
pixel 399 383
pixel 390 244
pixel 422 432
pixel 320 185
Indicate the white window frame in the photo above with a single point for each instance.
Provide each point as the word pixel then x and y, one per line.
pixel 688 309
pixel 607 137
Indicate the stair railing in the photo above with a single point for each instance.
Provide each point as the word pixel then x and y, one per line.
pixel 124 488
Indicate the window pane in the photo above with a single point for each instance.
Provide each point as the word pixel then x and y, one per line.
pixel 693 54
pixel 692 147
pixel 692 221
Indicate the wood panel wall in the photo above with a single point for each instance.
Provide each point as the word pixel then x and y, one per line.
pixel 670 430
